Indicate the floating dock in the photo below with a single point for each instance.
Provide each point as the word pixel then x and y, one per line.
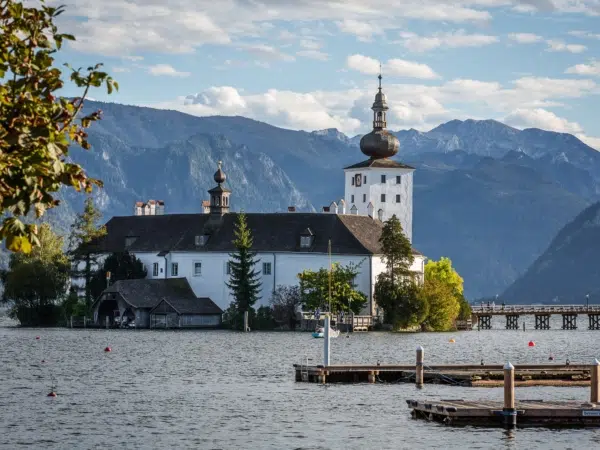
pixel 529 413
pixel 454 374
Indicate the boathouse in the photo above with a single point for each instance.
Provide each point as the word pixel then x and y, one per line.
pixel 158 303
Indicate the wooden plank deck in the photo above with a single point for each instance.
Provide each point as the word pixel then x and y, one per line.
pixel 489 413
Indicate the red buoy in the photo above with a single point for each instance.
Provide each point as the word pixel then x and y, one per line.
pixel 52 394
pixel 107 349
pixel 531 344
pixel 37 337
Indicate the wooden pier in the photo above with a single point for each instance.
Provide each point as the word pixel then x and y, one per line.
pixel 530 413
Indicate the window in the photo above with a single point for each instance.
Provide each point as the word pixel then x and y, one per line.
pixel 383 179
pixel 305 241
pixel 174 269
pixel 352 199
pixel 365 180
pixel 398 179
pixel 382 198
pixel 352 181
pixel 129 240
pixel 267 268
pixel 200 240
pixel 228 268
pixel 364 198
pixel 155 269
pixel 357 179
pixel 397 198
pixel 197 269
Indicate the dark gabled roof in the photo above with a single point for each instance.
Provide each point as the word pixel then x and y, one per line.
pixel 272 232
pixel 383 163
pixel 200 305
pixel 147 293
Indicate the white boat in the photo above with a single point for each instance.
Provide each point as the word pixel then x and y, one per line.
pixel 320 333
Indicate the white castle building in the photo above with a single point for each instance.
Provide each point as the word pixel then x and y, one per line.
pixel 196 247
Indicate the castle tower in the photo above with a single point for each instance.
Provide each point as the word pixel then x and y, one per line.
pixel 219 195
pixel 380 187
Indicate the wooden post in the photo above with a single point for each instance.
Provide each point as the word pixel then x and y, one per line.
pixel 595 384
pixel 246 327
pixel 371 377
pixel 509 412
pixel 106 321
pixel 71 321
pixel 419 367
pixel 84 321
pixel 326 342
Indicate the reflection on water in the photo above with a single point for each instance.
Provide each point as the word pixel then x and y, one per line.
pixel 232 390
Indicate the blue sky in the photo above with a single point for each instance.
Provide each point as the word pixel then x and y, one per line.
pixel 312 64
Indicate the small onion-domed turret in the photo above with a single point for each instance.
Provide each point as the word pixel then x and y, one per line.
pixel 220 175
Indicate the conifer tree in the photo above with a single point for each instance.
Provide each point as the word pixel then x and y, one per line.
pixel 244 281
pixel 84 230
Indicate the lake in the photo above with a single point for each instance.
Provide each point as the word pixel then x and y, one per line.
pixel 225 390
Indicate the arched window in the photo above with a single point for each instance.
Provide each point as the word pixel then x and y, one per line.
pixel 380 214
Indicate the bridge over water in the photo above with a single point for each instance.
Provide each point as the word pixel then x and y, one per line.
pixel 482 315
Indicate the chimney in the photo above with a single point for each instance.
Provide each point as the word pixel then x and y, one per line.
pixel 137 208
pixel 354 210
pixel 370 209
pixel 291 209
pixel 205 206
pixel 342 207
pixel 333 208
pixel 160 207
pixel 325 209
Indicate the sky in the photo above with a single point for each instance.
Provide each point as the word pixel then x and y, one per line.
pixel 313 64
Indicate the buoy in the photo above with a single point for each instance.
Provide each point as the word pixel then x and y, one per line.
pixel 107 349
pixel 43 360
pixel 531 344
pixel 551 358
pixel 37 337
pixel 52 394
pixel 452 341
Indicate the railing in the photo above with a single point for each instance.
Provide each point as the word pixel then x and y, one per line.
pixel 478 310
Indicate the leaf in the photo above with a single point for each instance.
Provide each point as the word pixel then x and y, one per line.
pixel 18 244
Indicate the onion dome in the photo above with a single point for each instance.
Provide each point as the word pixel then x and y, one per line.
pixel 379 143
pixel 220 176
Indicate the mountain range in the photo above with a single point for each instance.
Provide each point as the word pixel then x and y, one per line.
pixel 489 196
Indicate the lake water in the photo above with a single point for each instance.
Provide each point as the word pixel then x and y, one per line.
pixel 224 390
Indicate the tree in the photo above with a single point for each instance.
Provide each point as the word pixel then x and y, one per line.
pixel 244 281
pixel 285 302
pixel 402 305
pixel 84 230
pixel 122 266
pixel 36 128
pixel 443 271
pixel 443 305
pixel 396 249
pixel 465 309
pixel 36 283
pixel 314 288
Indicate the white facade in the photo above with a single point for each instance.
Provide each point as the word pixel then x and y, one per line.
pixel 388 196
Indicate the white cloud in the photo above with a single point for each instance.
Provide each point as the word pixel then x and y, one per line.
pixel 267 52
pixel 393 67
pixel 166 70
pixel 364 31
pixel 541 118
pixel 455 39
pixel 561 46
pixel 584 34
pixel 593 68
pixel 120 69
pixel 313 54
pixel 525 38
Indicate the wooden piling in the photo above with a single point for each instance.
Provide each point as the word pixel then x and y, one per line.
pixel 371 377
pixel 595 383
pixel 419 367
pixel 509 412
pixel 246 325
pixel 326 342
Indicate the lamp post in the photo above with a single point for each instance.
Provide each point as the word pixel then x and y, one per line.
pixel 587 301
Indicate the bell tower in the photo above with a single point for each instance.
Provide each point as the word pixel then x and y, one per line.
pixel 219 195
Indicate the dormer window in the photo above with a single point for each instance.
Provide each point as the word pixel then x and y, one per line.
pixel 306 238
pixel 129 240
pixel 201 240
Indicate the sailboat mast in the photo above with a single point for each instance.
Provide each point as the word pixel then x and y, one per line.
pixel 330 267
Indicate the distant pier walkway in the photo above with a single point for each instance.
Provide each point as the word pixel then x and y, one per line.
pixel 482 315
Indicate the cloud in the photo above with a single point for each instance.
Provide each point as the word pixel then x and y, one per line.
pixel 166 70
pixel 120 69
pixel 525 38
pixel 267 52
pixel 455 39
pixel 364 31
pixel 584 34
pixel 561 46
pixel 313 54
pixel 593 68
pixel 393 67
pixel 541 118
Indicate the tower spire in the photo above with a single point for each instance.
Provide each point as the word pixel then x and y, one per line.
pixel 380 77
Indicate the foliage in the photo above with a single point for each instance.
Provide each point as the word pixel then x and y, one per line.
pixel 314 289
pixel 443 305
pixel 244 281
pixel 36 282
pixel 122 266
pixel 402 305
pixel 285 302
pixel 84 230
pixel 36 128
pixel 443 271
pixel 263 319
pixel 465 308
pixel 396 249
pixel 72 305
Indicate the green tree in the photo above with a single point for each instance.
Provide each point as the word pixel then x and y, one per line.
pixel 396 250
pixel 402 305
pixel 314 288
pixel 36 283
pixel 244 281
pixel 122 266
pixel 443 305
pixel 465 309
pixel 36 128
pixel 285 302
pixel 84 230
pixel 443 271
